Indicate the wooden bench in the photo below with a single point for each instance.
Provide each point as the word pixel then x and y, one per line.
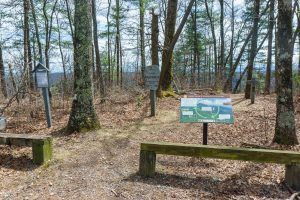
pixel 41 145
pixel 289 158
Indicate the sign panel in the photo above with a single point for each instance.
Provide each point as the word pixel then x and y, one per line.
pixel 206 110
pixel 152 74
pixel 41 79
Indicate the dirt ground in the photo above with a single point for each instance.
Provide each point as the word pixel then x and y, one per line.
pixel 104 164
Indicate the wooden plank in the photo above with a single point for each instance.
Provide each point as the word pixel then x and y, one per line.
pixel 20 139
pixel 223 152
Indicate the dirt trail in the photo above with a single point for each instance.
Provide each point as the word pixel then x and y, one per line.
pixel 103 164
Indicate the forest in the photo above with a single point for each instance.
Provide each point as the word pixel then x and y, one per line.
pixel 149 99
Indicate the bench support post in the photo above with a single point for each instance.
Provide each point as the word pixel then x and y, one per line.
pixel 42 151
pixel 292 176
pixel 147 163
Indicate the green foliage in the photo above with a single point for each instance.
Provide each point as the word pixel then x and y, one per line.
pixel 139 100
pixel 297 80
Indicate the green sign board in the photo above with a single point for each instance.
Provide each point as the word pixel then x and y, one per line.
pixel 206 110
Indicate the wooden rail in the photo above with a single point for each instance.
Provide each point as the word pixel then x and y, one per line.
pixel 290 158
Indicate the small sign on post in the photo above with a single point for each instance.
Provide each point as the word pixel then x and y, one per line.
pixel 253 83
pixel 206 110
pixel 42 81
pixel 152 74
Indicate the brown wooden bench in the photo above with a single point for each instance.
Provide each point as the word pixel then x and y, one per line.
pixel 41 145
pixel 289 158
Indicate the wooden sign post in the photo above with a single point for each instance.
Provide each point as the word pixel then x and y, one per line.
pixel 152 74
pixel 253 83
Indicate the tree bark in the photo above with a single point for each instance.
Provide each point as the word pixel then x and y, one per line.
pixel 99 74
pixel 2 74
pixel 70 19
pixel 253 47
pixel 212 27
pixel 270 42
pixel 48 29
pixel 222 48
pixel 37 34
pixel 142 37
pixel 110 73
pixel 154 39
pixel 60 49
pixel 231 44
pixel 83 117
pixel 165 81
pixel 118 40
pixel 285 131
pixel 25 43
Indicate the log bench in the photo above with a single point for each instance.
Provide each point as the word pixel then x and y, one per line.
pixel 41 145
pixel 289 158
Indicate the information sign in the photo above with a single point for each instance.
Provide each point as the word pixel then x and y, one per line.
pixel 152 74
pixel 206 110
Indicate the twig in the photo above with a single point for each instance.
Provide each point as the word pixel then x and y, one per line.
pixel 295 196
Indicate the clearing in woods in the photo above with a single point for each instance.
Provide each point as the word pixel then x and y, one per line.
pixel 103 164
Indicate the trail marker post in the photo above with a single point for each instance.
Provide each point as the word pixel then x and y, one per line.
pixel 253 83
pixel 42 81
pixel 152 74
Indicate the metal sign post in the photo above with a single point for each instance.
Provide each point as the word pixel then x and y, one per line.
pixel 42 81
pixel 152 74
pixel 205 133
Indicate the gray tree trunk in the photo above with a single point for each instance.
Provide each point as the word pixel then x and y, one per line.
pixel 270 42
pixel 83 116
pixel 253 47
pixel 285 132
pixel 99 74
pixel 25 42
pixel 2 74
pixel 212 27
pixel 142 36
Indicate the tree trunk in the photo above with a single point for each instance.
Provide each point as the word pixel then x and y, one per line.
pixel 29 55
pixel 99 75
pixel 2 74
pixel 253 47
pixel 61 50
pixel 118 40
pixel 222 65
pixel 26 41
pixel 231 45
pixel 37 34
pixel 108 43
pixel 142 37
pixel 212 27
pixel 70 19
pixel 270 42
pixel 154 39
pixel 285 132
pixel 165 81
pixel 167 55
pixel 195 48
pixel 48 28
pixel 83 116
